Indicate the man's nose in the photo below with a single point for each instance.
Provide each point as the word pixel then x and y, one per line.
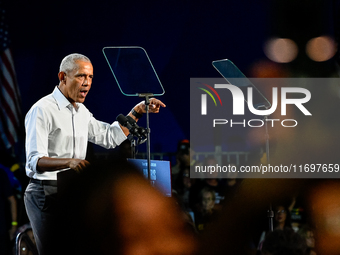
pixel 87 81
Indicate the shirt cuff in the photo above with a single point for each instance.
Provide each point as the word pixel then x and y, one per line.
pixel 33 163
pixel 121 137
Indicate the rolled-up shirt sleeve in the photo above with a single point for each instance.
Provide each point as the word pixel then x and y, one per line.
pixel 104 134
pixel 37 130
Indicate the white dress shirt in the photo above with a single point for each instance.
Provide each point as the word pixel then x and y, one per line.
pixel 54 128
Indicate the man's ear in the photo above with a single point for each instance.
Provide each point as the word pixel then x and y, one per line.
pixel 62 76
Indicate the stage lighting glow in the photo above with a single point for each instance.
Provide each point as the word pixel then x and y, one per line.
pixel 321 48
pixel 281 50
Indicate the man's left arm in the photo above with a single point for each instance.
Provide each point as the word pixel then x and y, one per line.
pixel 111 135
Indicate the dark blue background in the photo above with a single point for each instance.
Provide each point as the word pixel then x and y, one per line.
pixel 182 38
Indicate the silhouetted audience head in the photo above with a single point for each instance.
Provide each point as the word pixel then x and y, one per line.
pixel 308 234
pixel 183 146
pixel 183 181
pixel 284 242
pixel 114 210
pixel 207 198
pixel 183 152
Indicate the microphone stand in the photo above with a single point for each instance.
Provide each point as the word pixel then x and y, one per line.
pixel 270 211
pixel 230 72
pixel 133 148
pixel 147 103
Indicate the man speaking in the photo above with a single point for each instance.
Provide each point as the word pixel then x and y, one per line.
pixel 58 128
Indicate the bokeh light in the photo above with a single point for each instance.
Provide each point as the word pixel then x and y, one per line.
pixel 281 50
pixel 321 48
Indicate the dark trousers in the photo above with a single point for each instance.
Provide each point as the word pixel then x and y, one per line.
pixel 42 209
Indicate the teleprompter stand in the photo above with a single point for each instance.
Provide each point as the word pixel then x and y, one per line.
pixel 235 77
pixel 135 76
pixel 148 153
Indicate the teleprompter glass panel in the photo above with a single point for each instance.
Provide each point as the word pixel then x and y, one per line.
pixel 235 77
pixel 133 71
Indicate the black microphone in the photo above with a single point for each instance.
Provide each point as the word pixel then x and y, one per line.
pixel 125 123
pixel 142 131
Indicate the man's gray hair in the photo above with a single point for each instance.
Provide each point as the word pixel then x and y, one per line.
pixel 69 62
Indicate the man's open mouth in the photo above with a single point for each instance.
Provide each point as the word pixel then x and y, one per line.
pixel 83 92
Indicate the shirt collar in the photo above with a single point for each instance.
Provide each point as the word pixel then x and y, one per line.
pixel 61 100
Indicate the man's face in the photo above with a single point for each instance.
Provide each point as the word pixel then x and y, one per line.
pixel 78 82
